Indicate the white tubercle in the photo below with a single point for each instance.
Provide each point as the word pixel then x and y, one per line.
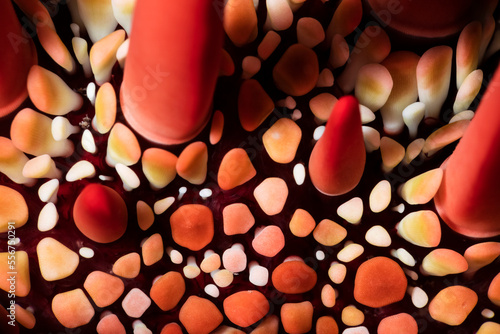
pixel 175 256
pixel 212 290
pixel 487 313
pixel 122 52
pixel 412 116
pixel 259 275
pixel 404 256
pixel 299 173
pixel 356 330
pixel 98 18
pixel 371 138
pixel 380 196
pixel 62 128
pixel 350 252
pixel 106 178
pixel 48 217
pixel 182 191
pixel 318 132
pixel 91 92
pixel 378 236
pixel 320 255
pixel 80 48
pixel 48 191
pixel 88 142
pixel 191 270
pixel 40 167
pixel 162 205
pixel 140 328
pixel 399 208
pixel 367 115
pixel 86 252
pixel 418 297
pixel 128 176
pixel 352 210
pixel 205 193
pixel 81 170
pixel 123 11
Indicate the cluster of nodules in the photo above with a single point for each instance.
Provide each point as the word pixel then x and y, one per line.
pixel 403 86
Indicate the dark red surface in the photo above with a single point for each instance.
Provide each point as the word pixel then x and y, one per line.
pixel 305 196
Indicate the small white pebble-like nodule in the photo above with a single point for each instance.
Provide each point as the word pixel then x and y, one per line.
pixel 352 210
pixel 129 178
pixel 91 92
pixel 367 115
pixel 106 178
pixel 487 313
pixel 205 193
pixel 380 196
pixel 318 132
pixel 86 252
pixel 350 252
pixel 212 290
pixel 88 142
pixel 175 256
pixel 182 191
pixel 296 114
pixel 418 297
pixel 259 275
pixel 62 128
pixel 399 208
pixel 404 256
pixel 320 255
pixel 162 205
pixel 48 191
pixel 299 174
pixel 48 217
pixel 81 170
pixel 378 236
pixel 356 330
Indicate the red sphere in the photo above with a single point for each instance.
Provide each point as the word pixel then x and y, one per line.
pixel 430 18
pixel 100 213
